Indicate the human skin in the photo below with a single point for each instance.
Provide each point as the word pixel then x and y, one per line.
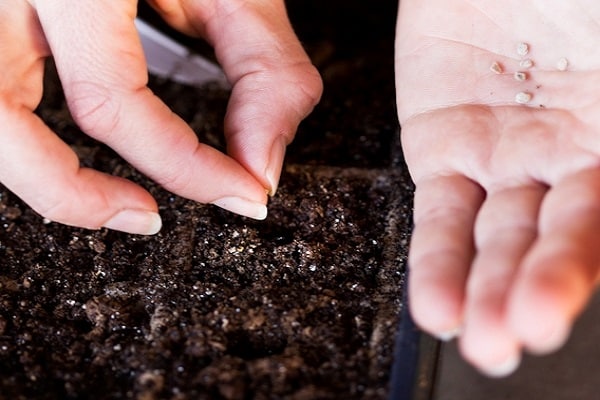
pixel 506 244
pixel 102 69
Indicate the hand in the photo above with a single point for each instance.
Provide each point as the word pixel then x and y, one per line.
pixel 506 244
pixel 103 72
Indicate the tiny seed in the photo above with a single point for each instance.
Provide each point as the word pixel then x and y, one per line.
pixel 523 97
pixel 520 76
pixel 522 49
pixel 527 63
pixel 496 68
pixel 562 64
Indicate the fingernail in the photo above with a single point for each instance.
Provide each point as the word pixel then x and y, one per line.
pixel 135 221
pixel 504 369
pixel 242 206
pixel 273 170
pixel 449 335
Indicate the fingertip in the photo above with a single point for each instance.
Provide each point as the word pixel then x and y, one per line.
pixel 489 345
pixel 540 332
pixel 242 206
pixel 504 368
pixel 133 221
pixel 436 314
pixel 449 335
pixel 541 319
pixel 552 340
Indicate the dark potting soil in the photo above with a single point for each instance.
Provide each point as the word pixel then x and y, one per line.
pixel 303 305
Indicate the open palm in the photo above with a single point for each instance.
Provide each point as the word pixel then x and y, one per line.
pixel 506 246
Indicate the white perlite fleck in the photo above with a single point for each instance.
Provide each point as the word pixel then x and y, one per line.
pixel 523 97
pixel 496 68
pixel 520 76
pixel 522 49
pixel 527 63
pixel 562 64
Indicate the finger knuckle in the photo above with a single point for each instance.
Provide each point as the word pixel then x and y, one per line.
pixel 93 108
pixel 311 85
pixel 175 180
